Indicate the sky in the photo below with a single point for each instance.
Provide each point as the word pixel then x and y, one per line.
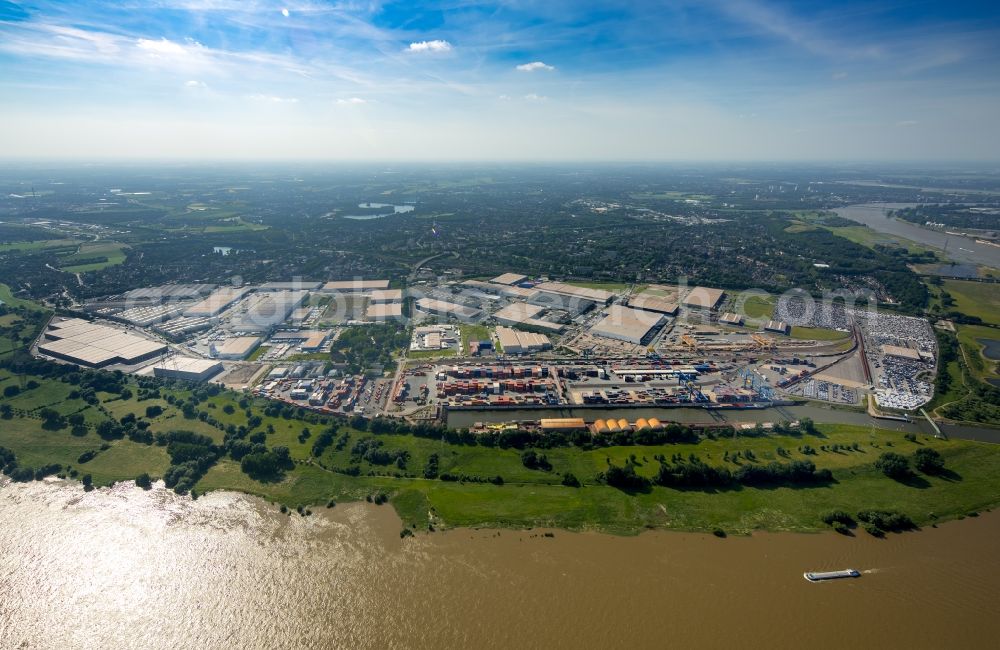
pixel 512 80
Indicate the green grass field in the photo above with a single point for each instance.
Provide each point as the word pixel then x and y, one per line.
pixel 114 251
pixel 45 244
pixel 9 299
pixel 981 299
pixel 759 307
pixel 817 334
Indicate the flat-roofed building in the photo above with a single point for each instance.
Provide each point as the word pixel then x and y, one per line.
pixel 169 293
pixel 236 348
pixel 704 298
pixel 217 302
pixel 354 286
pixel 901 352
pixel 384 311
pixel 515 342
pixel 90 344
pixel 315 340
pixel 293 285
pixel 731 318
pixel 599 296
pixel 385 295
pixel 517 312
pixel 509 278
pixel 181 327
pixel 629 325
pixel 149 314
pixel 187 368
pixel 507 291
pixel 653 303
pixel 448 309
pixel 267 310
pixel 776 326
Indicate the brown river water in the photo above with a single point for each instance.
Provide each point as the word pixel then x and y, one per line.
pixel 123 568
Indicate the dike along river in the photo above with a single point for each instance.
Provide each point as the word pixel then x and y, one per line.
pixel 123 568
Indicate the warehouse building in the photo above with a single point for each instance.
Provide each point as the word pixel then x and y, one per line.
pixel 169 293
pixel 267 310
pixel 180 327
pixel 448 309
pixel 217 302
pixel 354 286
pixel 653 303
pixel 515 342
pixel 149 314
pixel 294 285
pixel 517 312
pixel 901 352
pixel 187 368
pixel 524 315
pixel 629 325
pixel 776 326
pixel 507 291
pixel 731 318
pixel 315 341
pixel 236 348
pixel 562 424
pixel 598 296
pixel 704 298
pixel 96 346
pixel 384 311
pixel 509 279
pixel 381 296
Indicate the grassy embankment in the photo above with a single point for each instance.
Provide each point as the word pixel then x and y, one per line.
pixel 528 497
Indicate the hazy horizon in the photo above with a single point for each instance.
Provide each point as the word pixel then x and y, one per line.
pixel 719 81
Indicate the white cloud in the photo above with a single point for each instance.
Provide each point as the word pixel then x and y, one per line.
pixel 166 48
pixel 194 83
pixel 285 13
pixel 907 123
pixel 504 98
pixel 840 75
pixel 532 97
pixel 535 65
pixel 351 101
pixel 274 99
pixel 430 46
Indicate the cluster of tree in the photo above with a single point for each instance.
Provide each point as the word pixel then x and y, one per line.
pixel 191 455
pixel 695 473
pixel 897 466
pixel 323 440
pixel 879 522
pixel 431 469
pixel 267 464
pixel 533 460
pixel 371 450
pixel 467 478
pixel 363 347
pixel 20 474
